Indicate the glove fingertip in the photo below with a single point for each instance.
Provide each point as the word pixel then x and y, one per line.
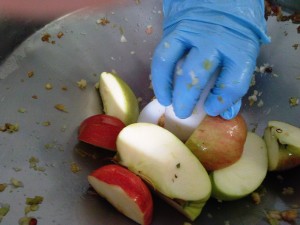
pixel 226 107
pixel 232 111
pixel 165 101
pixel 210 109
pixel 182 114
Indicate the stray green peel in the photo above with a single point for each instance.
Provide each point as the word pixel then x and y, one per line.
pixel 4 209
pixel 207 64
pixel 220 99
pixel 3 187
pixel 293 101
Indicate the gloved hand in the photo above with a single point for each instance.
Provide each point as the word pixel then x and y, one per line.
pixel 207 35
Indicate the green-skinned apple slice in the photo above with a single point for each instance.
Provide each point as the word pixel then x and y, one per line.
pixel 125 191
pixel 160 158
pixel 283 145
pixel 244 176
pixel 118 98
pixel 288 136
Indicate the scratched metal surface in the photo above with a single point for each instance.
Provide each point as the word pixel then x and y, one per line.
pixel 85 50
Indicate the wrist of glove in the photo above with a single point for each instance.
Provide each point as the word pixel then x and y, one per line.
pixel 206 36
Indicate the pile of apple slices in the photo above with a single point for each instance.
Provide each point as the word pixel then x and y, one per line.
pixel 235 159
pixel 185 163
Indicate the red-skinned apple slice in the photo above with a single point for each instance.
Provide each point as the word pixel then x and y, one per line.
pixel 217 142
pixel 125 191
pixel 100 130
pixel 161 159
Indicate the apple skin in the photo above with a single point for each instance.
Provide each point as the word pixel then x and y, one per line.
pixel 217 142
pixel 287 160
pixel 125 191
pixel 100 130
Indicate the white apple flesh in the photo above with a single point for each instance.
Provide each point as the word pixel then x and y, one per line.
pixel 153 112
pixel 118 98
pixel 125 191
pixel 244 176
pixel 156 113
pixel 183 128
pixel 160 158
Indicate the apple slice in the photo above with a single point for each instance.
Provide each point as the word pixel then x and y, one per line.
pixel 217 142
pixel 283 145
pixel 288 136
pixel 118 98
pixel 101 131
pixel 125 191
pixel 162 160
pixel 244 176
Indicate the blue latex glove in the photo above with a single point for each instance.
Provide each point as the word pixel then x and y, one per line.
pixel 207 35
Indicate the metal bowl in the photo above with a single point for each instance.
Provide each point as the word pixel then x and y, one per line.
pixel 76 47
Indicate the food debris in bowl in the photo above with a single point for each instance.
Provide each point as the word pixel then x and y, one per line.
pixel 44 155
pixel 10 128
pixel 60 107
